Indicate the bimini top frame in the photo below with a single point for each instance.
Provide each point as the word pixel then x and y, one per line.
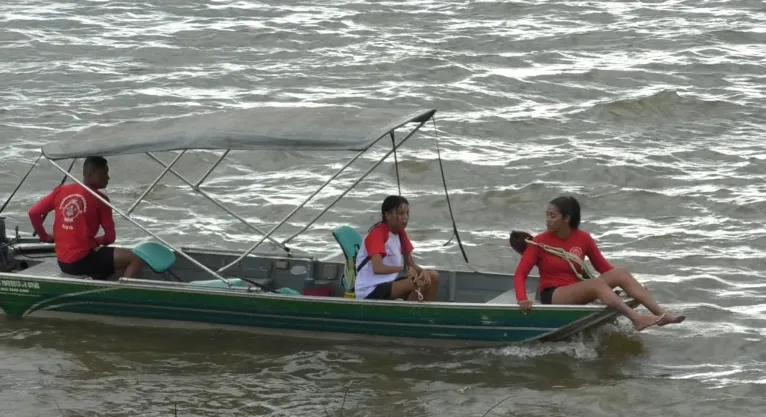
pixel 265 128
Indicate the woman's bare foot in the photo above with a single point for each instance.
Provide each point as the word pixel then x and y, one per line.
pixel 670 318
pixel 644 321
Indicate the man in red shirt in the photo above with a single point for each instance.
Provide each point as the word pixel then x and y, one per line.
pixel 79 215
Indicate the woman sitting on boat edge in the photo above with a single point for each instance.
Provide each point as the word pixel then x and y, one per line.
pixel 559 254
pixel 386 252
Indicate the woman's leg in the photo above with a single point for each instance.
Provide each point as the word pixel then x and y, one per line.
pixel 620 277
pixel 433 285
pixel 404 288
pixel 586 291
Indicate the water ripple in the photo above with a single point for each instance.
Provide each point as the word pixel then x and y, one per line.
pixel 649 112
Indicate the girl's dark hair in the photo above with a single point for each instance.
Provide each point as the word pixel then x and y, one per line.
pixel 390 204
pixel 568 206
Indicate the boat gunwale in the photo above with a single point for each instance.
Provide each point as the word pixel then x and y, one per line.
pixel 131 283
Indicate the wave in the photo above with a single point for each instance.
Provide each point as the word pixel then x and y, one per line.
pixel 663 105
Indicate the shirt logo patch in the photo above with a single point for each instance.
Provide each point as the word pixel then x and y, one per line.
pixel 577 251
pixel 71 207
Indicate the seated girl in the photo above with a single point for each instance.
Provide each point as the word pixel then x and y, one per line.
pixel 559 254
pixel 387 251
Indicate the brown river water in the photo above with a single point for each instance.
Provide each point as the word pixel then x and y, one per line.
pixel 650 112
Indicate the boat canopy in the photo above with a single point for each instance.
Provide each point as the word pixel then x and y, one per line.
pixel 261 128
pixel 330 128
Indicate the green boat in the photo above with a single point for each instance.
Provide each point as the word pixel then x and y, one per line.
pixel 290 292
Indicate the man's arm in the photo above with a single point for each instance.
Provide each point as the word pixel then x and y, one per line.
pixel 37 215
pixel 107 223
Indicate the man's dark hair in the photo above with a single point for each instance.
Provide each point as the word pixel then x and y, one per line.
pixel 94 162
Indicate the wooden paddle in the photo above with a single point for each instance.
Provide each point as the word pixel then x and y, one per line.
pixel 518 241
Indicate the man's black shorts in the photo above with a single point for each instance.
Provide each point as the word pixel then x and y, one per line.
pixel 97 264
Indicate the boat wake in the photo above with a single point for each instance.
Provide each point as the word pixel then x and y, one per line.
pixel 19 334
pixel 585 346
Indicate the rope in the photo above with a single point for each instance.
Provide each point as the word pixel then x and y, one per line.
pixel 419 281
pixel 569 257
pixel 455 232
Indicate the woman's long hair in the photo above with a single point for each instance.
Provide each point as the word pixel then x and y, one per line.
pixel 390 204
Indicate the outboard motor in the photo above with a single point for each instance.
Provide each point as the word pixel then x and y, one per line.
pixel 3 238
pixel 6 255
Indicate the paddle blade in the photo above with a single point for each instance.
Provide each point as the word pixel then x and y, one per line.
pixel 518 241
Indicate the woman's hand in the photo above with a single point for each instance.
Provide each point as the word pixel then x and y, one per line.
pixel 418 278
pixel 526 306
pixel 425 276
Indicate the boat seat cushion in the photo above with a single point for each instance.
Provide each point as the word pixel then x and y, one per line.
pixel 350 242
pixel 157 256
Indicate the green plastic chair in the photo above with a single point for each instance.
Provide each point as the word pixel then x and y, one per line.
pixel 350 241
pixel 157 256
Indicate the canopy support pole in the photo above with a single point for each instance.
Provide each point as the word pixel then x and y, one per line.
pixel 360 179
pixel 128 218
pixel 154 184
pixel 209 171
pixel 396 164
pixel 295 210
pixel 252 248
pixel 220 205
pixel 34 164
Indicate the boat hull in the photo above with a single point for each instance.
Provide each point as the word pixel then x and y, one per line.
pixel 330 317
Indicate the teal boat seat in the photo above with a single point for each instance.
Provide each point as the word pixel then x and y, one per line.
pixel 350 242
pixel 157 256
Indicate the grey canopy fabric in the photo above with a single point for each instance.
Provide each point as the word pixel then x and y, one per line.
pixel 298 128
